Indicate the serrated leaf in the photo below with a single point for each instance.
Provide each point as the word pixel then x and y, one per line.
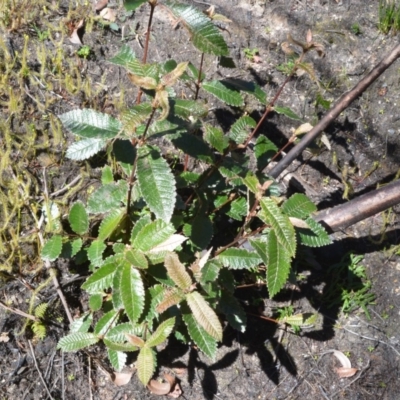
pixel 252 183
pixel 248 87
pixel 206 343
pixel 78 218
pixel 90 124
pixel 132 292
pixel 139 225
pixel 204 314
pixel 145 364
pixel 102 278
pixel 85 149
pixel 189 108
pixel 316 236
pixel 172 77
pixel 52 248
pixel 170 244
pixel 156 182
pixel 271 214
pixel 82 324
pixel 199 231
pixel 161 333
pixel 107 175
pixel 177 271
pixel 126 58
pixel 77 341
pixel 234 312
pixel 261 249
pixel 117 359
pixel 134 116
pixel 136 259
pixel 278 265
pixel 145 82
pixel 110 223
pixel 171 297
pixel 117 333
pixel 95 302
pixel 135 340
pixel 238 209
pixel 95 252
pixel 210 271
pixel 116 288
pixel 193 146
pixel 116 346
pixel 299 206
pixel 301 320
pixel 219 90
pixel 239 259
pixel 76 245
pixel 132 5
pixel 152 235
pixel 105 323
pixel 205 36
pixel 264 150
pixel 216 138
pixel 241 129
pixel 107 197
pixel 288 112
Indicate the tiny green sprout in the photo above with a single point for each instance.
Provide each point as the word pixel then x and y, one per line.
pixel 251 53
pixel 385 315
pixel 347 353
pixel 42 35
pixel 370 348
pixel 84 51
pixel 71 377
pixel 355 28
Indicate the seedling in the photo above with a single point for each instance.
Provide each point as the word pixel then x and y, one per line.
pixel 84 51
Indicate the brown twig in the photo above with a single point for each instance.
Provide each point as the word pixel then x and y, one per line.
pixel 19 312
pixel 38 370
pixel 343 102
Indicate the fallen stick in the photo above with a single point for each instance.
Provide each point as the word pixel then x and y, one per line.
pixel 360 208
pixel 343 102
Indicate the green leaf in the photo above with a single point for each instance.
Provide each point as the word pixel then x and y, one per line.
pixel 247 87
pixel 116 288
pixel 199 231
pixel 82 324
pixel 234 312
pixel 95 252
pixel 298 206
pixel 137 228
pixel 107 175
pixel 132 292
pixel 206 343
pixel 177 271
pixel 85 149
pixel 77 341
pixel 316 236
pixel 205 36
pixel 105 323
pixel 76 245
pixel 156 182
pixel 171 297
pixel 161 333
pixel 216 138
pixel 261 249
pixel 252 183
pixel 264 150
pixel 126 58
pixel 278 265
pixel 193 146
pixel 102 278
pixel 239 259
pixel 271 214
pixel 117 359
pixel 116 346
pixel 95 302
pixel 132 5
pixel 117 333
pixel 219 90
pixel 145 364
pixel 90 124
pixel 210 271
pixel 107 197
pixel 241 129
pixel 204 314
pixel 189 108
pixel 134 116
pixel 288 112
pixel 136 259
pixel 52 248
pixel 78 218
pixel 152 235
pixel 238 209
pixel 125 154
pixel 110 223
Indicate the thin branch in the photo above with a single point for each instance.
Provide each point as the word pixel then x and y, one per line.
pixel 343 102
pixel 38 370
pixel 19 312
